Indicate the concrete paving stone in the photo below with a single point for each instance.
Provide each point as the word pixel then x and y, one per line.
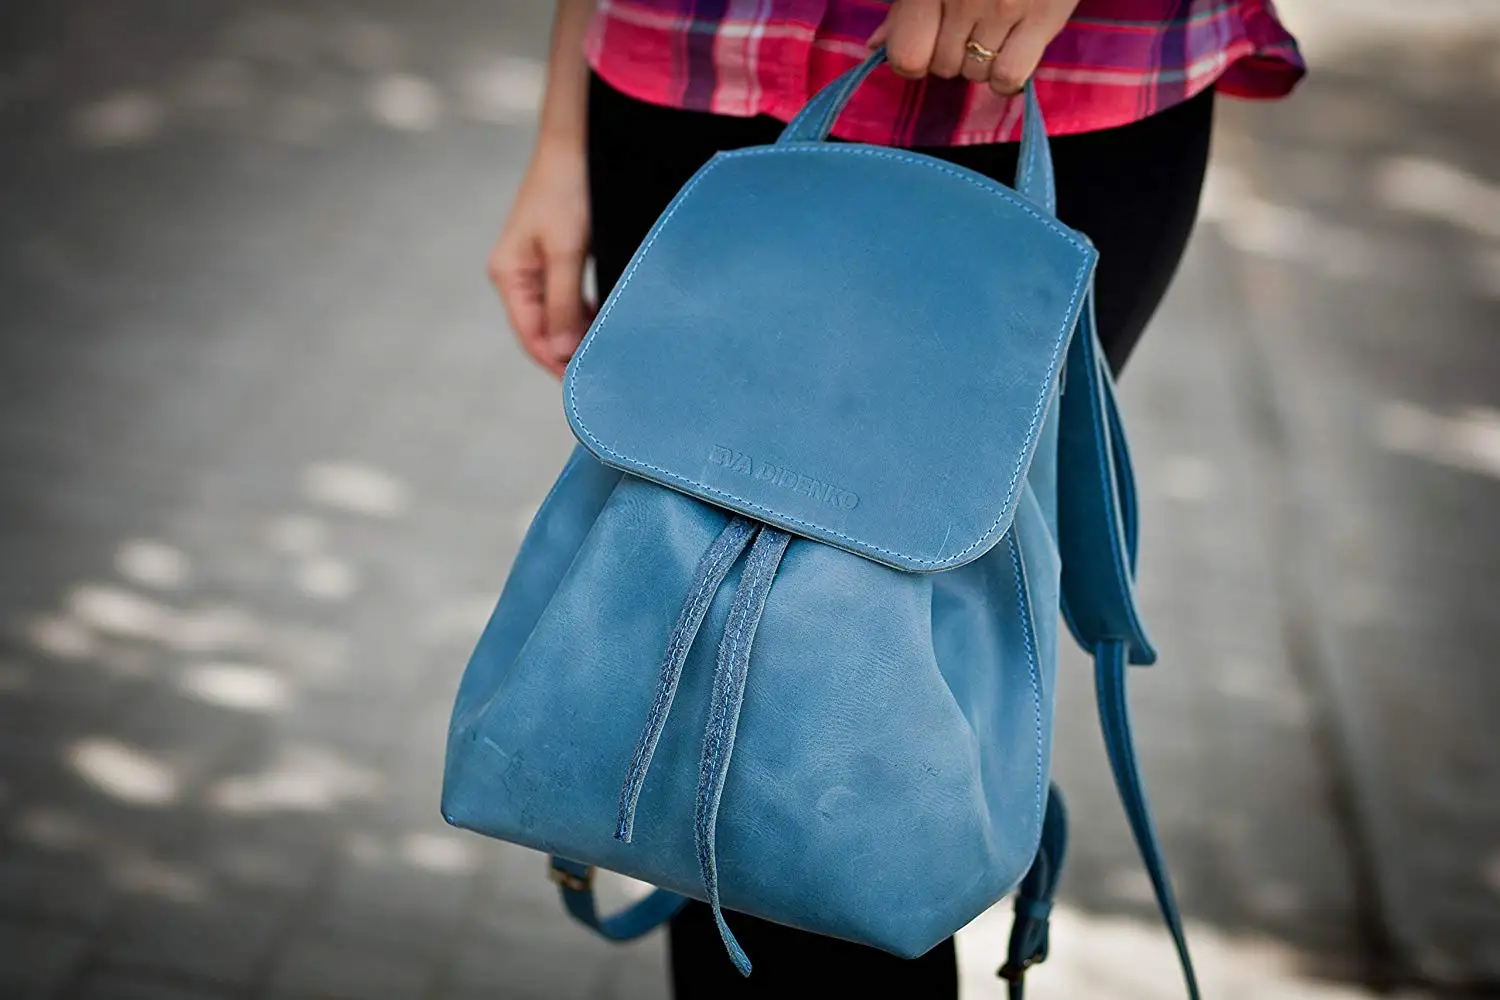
pixel 1384 365
pixel 415 804
pixel 193 738
pixel 107 804
pixel 416 772
pixel 36 959
pixel 83 688
pixel 310 785
pixel 20 991
pixel 519 875
pixel 219 938
pixel 123 984
pixel 52 886
pixel 264 855
pixel 340 967
pixel 636 971
pixel 1111 957
pixel 362 722
pixel 31 724
pixel 521 931
pixel 509 954
pixel 32 770
pixel 502 987
pixel 382 891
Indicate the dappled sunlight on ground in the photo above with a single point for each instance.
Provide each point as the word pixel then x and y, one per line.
pixel 300 76
pixel 1469 439
pixel 1118 958
pixel 1366 216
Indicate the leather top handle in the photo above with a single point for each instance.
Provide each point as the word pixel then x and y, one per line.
pixel 1033 167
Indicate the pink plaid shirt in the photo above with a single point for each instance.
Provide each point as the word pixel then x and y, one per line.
pixel 1117 61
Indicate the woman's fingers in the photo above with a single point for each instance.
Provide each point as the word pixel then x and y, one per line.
pixel 566 311
pixel 991 33
pixel 543 296
pixel 537 264
pixel 959 22
pixel 910 35
pixel 934 36
pixel 518 273
pixel 1018 56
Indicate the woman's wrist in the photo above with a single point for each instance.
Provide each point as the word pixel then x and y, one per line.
pixel 564 120
pixel 560 142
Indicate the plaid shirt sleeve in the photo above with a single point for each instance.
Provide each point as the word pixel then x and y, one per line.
pixel 1117 61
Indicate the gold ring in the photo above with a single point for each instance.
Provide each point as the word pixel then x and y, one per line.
pixel 978 52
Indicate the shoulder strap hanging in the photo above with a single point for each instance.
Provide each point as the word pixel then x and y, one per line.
pixel 1030 933
pixel 1097 540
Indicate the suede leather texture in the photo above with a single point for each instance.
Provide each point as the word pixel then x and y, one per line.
pixel 888 777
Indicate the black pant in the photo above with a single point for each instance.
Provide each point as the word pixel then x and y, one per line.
pixel 1132 190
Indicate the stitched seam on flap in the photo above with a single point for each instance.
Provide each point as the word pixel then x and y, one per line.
pixel 1003 192
pixel 988 535
pixel 1028 626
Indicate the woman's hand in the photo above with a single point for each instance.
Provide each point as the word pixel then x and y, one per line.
pixel 932 36
pixel 537 263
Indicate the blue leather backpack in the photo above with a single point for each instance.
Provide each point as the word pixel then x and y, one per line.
pixel 783 636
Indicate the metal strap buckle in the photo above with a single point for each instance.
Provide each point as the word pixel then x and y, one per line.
pixel 1012 973
pixel 571 881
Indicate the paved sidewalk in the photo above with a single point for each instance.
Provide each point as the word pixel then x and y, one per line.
pixel 266 452
pixel 1367 217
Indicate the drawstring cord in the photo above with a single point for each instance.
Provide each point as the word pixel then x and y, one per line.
pixel 728 695
pixel 710 574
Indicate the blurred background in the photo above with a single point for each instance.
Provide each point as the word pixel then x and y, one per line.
pixel 267 449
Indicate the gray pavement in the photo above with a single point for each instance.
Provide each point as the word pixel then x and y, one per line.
pixel 1368 216
pixel 266 451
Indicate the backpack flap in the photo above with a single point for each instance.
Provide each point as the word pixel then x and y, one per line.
pixel 816 371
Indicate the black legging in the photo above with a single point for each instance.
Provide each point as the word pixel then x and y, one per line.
pixel 1132 190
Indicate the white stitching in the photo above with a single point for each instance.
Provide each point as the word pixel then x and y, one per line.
pixel 990 534
pixel 1028 628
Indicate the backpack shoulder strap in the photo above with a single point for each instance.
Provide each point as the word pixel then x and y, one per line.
pixel 1097 540
pixel 1114 718
pixel 576 884
pixel 1030 933
pixel 1096 503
